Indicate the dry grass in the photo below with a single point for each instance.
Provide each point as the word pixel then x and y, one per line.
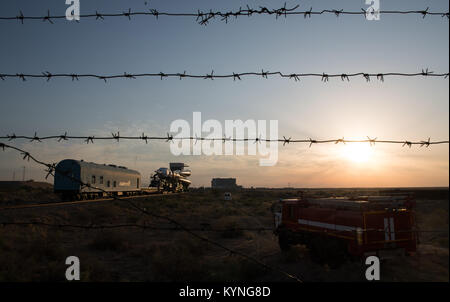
pixel 38 254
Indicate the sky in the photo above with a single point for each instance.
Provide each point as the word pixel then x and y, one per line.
pixel 399 108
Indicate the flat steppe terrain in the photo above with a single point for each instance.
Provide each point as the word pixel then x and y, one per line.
pixel 38 253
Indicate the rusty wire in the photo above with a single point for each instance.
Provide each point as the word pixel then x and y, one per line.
pixel 235 76
pixel 52 168
pixel 204 17
pixel 171 138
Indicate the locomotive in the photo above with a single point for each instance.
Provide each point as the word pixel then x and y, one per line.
pixel 335 229
pixel 77 179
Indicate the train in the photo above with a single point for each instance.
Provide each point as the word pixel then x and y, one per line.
pixel 78 179
pixel 339 228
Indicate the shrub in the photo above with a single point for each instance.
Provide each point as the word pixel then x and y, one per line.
pixel 177 263
pixel 236 269
pixel 229 225
pixel 108 241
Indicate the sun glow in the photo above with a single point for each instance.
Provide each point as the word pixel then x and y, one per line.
pixel 358 153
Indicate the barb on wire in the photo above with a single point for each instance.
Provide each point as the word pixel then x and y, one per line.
pixel 98 16
pixel 35 138
pixel 372 141
pixel 63 137
pixel 128 14
pixel 204 17
pixel 325 77
pixel 46 18
pixel 257 139
pixel 116 136
pixel 89 139
pixel 182 75
pixel 367 77
pixel 340 140
pixel 144 138
pixel 380 77
pixel 53 168
pixel 344 77
pixel 425 143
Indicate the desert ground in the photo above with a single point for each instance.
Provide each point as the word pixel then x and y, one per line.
pixel 38 253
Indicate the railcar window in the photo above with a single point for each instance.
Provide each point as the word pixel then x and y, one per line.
pixel 93 179
pixel 101 180
pixel 137 186
pixel 114 184
pixel 108 183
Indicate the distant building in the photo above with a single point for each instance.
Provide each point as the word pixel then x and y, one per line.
pixel 224 183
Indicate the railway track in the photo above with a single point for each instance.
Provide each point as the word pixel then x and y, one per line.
pixel 78 202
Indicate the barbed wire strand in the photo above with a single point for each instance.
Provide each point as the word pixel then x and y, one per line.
pixel 204 17
pixel 92 226
pixel 202 228
pixel 235 76
pixel 51 168
pixel 171 138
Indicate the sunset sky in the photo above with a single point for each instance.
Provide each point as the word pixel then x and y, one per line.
pixel 399 109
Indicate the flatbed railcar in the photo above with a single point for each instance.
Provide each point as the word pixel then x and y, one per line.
pixel 335 229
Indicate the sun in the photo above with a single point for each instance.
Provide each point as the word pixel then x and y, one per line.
pixel 358 152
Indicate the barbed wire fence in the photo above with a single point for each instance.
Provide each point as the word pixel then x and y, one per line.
pixel 52 168
pixel 193 231
pixel 171 138
pixel 325 77
pixel 204 17
pixel 202 228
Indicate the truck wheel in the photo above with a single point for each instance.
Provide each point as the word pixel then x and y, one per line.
pixel 328 250
pixel 316 250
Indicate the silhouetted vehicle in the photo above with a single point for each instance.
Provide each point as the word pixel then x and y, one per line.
pixel 171 180
pixel 337 228
pixel 71 174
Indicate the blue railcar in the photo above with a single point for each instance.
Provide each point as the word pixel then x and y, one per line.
pixel 111 178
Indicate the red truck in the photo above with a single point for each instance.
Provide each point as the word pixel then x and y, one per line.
pixel 335 228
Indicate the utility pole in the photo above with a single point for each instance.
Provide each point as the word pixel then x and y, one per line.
pixel 23 174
